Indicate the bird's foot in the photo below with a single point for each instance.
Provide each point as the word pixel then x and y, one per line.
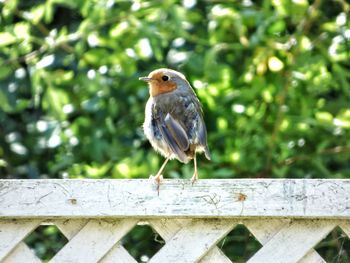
pixel 194 178
pixel 157 180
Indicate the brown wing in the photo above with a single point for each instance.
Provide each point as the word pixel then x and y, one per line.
pixel 174 136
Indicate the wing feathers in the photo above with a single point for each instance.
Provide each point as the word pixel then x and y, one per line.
pixel 177 132
pixel 174 137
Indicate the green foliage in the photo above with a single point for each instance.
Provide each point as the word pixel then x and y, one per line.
pixel 142 243
pixel 335 247
pixel 273 78
pixel 231 245
pixel 46 241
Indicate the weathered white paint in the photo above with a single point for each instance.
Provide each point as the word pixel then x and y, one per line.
pixel 13 232
pixel 293 241
pixel 265 232
pixel 215 255
pixel 193 241
pixel 94 240
pixel 118 254
pixel 167 228
pixel 312 257
pixel 345 225
pixel 288 217
pixel 303 198
pixel 21 253
pixel 70 228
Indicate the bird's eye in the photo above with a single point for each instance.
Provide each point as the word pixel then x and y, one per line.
pixel 165 78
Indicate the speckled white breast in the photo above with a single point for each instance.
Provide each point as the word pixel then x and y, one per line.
pixel 157 143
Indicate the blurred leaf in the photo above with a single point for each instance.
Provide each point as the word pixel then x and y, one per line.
pixel 54 100
pixel 6 39
pixel 5 71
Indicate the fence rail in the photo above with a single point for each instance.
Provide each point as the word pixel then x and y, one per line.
pixel 288 217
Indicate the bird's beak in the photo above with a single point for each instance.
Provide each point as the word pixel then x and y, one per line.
pixel 147 79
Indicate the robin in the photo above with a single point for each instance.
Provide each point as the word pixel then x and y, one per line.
pixel 174 119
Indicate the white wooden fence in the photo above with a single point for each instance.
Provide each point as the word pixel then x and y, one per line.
pixel 288 217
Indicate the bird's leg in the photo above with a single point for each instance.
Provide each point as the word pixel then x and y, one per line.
pixel 159 175
pixel 195 174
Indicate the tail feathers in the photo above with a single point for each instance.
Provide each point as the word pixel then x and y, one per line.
pixel 207 153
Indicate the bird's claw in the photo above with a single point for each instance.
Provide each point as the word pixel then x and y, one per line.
pixel 194 178
pixel 157 180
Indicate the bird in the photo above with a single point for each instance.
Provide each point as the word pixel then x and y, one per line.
pixel 174 123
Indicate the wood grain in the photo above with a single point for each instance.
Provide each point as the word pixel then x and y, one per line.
pixel 303 198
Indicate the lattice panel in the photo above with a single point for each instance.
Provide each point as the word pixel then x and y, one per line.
pixel 186 240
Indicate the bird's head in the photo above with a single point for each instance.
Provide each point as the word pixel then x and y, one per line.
pixel 164 80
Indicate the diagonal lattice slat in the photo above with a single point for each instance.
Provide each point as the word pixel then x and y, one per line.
pixel 187 240
pixel 12 232
pixel 191 243
pixel 167 228
pixel 346 227
pixel 264 230
pixel 21 253
pixel 94 240
pixel 71 227
pixel 118 254
pixel 312 257
pixel 293 241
